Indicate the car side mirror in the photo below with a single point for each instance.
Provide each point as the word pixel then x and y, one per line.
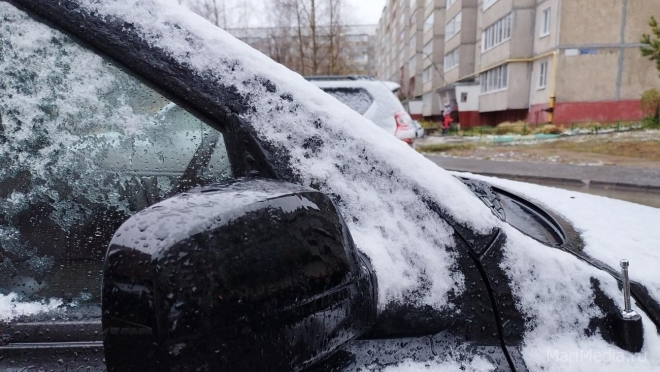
pixel 253 275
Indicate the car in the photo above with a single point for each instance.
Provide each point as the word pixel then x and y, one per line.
pixel 419 129
pixel 373 99
pixel 173 200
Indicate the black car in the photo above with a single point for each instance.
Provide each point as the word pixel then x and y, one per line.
pixel 171 200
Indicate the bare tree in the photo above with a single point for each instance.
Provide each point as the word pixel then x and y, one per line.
pixel 321 33
pixel 308 36
pixel 299 31
pixel 222 13
pixel 283 35
pixel 213 10
pixel 334 12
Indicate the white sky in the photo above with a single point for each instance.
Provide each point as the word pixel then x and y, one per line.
pixel 359 12
pixel 366 12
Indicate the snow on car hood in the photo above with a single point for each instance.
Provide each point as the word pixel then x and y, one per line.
pixel 611 229
pixel 553 287
pixel 377 178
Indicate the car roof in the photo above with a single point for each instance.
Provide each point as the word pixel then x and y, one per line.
pixel 338 77
pixel 378 84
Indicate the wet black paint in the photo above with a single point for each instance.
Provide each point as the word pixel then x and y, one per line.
pixel 274 284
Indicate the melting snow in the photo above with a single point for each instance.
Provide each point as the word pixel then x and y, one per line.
pixel 11 307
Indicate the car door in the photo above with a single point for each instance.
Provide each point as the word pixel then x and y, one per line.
pixel 84 145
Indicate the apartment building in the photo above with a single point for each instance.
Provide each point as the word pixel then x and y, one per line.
pixel 542 61
pixel 433 52
pixel 410 51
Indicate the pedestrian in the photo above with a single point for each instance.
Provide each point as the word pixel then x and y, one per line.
pixel 441 122
pixel 445 124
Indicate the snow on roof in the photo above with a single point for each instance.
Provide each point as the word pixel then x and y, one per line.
pixel 377 178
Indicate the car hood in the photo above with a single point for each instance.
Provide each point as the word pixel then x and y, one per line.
pixel 609 230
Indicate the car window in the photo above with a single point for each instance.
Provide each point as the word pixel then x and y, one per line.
pixel 356 98
pixel 83 146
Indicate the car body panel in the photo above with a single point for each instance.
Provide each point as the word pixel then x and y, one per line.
pixel 419 129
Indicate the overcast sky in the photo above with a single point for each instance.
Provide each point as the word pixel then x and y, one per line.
pixel 367 12
pixel 358 12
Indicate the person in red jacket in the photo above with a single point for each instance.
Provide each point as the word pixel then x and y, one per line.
pixel 445 123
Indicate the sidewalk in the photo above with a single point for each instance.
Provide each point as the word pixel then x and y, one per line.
pixel 586 175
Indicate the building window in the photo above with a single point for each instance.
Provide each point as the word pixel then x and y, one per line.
pixel 413 19
pixel 412 65
pixel 452 59
pixel 495 79
pixel 454 26
pixel 450 3
pixel 412 44
pixel 428 23
pixel 429 2
pixel 543 75
pixel 428 49
pixel 545 22
pixel 488 3
pixel 428 74
pixel 497 33
pixel 402 36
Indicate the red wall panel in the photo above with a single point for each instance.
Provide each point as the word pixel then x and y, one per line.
pixel 469 119
pixel 579 112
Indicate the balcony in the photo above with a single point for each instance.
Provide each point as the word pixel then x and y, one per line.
pixel 505 32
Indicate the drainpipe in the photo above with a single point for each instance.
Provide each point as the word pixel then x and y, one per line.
pixel 555 63
pixel 553 76
pixel 553 88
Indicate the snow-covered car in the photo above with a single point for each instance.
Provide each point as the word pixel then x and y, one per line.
pixel 373 99
pixel 173 200
pixel 419 129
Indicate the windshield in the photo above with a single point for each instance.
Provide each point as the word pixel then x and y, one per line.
pixel 357 99
pixel 84 146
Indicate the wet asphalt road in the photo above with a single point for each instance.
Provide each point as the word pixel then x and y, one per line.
pixel 637 185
